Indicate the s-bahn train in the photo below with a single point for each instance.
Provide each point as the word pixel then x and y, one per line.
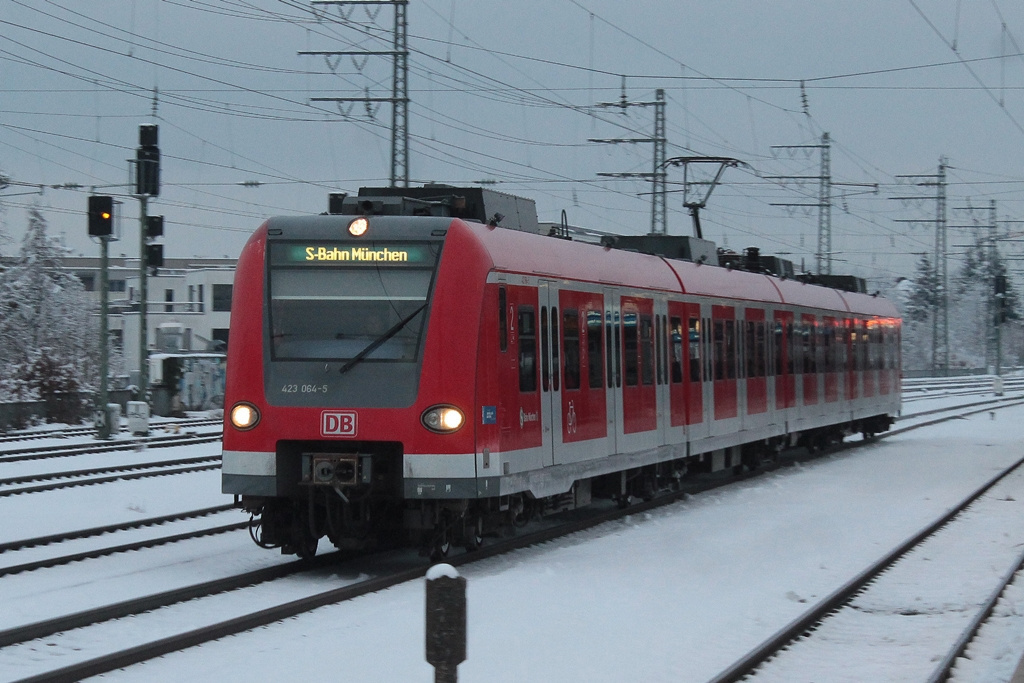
pixel 406 369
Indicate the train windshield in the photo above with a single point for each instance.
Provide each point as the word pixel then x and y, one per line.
pixel 350 304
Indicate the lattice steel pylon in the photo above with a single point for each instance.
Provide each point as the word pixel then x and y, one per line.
pixel 658 175
pixel 940 308
pixel 399 99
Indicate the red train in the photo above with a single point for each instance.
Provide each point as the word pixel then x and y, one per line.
pixel 408 370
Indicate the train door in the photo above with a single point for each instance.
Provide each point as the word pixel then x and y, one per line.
pixel 724 346
pixel 550 375
pixel 829 358
pixel 785 384
pixel 520 407
pixel 754 357
pixel 639 395
pixel 584 414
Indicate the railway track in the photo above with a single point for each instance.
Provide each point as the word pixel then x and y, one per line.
pixel 73 546
pixel 408 569
pixel 52 481
pixel 72 432
pixel 851 627
pixel 69 450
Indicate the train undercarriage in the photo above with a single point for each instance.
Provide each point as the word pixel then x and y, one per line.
pixel 354 498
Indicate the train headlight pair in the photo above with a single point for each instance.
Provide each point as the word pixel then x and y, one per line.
pixel 244 416
pixel 443 419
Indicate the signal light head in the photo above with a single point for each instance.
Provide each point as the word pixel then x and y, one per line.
pixel 101 215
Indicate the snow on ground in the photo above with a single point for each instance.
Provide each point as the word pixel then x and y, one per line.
pixel 672 595
pixel 85 507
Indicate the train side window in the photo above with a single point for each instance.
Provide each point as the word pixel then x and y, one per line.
pixel 751 350
pixel 827 350
pixel 527 338
pixel 779 347
pixel 610 357
pixel 659 334
pixel 730 349
pixel 676 346
pixel 791 360
pixel 719 349
pixel 709 359
pixel 808 347
pixel 502 319
pixel 594 359
pixel 762 349
pixel 571 333
pixel 646 350
pixel 545 357
pixel 693 334
pixel 631 348
pixel 554 349
pixel 618 351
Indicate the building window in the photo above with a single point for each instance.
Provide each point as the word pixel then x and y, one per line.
pixel 221 297
pixel 219 338
pixel 169 301
pixel 201 300
pixel 115 285
pixel 88 281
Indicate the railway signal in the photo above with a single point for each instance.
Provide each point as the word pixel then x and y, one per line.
pixel 147 162
pixel 101 215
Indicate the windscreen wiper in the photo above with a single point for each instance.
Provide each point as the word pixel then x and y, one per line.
pixel 358 358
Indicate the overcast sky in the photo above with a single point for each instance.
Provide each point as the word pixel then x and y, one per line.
pixel 510 92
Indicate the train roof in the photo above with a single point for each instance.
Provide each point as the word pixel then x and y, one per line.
pixel 520 252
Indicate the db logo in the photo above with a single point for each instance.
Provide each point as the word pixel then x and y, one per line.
pixel 338 423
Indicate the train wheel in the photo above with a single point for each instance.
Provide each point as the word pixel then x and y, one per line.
pixel 306 547
pixel 442 545
pixel 474 530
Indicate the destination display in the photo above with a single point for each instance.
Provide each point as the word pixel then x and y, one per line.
pixel 347 254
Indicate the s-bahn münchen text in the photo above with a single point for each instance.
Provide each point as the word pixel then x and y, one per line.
pixel 419 368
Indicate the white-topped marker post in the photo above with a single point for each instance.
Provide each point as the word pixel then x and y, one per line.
pixel 446 622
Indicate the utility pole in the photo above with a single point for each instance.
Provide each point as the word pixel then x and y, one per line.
pixel 147 184
pixel 399 99
pixel 996 290
pixel 658 174
pixel 940 309
pixel 823 254
pixel 101 224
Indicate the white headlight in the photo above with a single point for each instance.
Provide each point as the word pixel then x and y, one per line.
pixel 244 416
pixel 443 419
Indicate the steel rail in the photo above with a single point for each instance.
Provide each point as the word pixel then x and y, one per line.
pixel 945 668
pixel 81 431
pixel 122 548
pixel 110 528
pixel 126 467
pixel 62 451
pixel 117 477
